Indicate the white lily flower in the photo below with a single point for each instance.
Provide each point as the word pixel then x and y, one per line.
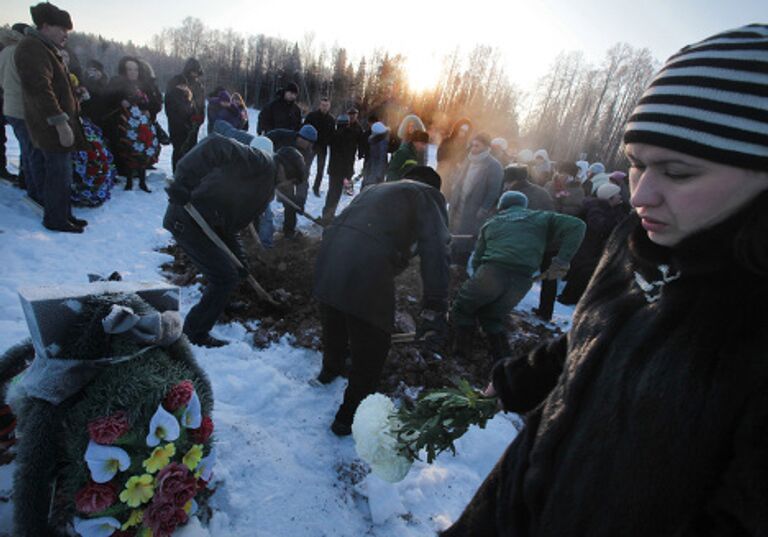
pixel 193 415
pixel 105 461
pixel 96 527
pixel 162 427
pixel 375 441
pixel 206 466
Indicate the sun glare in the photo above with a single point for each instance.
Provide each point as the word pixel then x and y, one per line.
pixel 423 72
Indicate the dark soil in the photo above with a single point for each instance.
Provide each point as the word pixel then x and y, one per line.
pixel 286 272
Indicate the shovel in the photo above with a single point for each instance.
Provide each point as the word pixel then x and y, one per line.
pixel 285 199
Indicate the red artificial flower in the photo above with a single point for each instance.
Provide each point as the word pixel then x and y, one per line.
pixel 179 396
pixel 145 135
pixel 163 517
pixel 204 432
pixel 95 497
pixel 109 428
pixel 175 484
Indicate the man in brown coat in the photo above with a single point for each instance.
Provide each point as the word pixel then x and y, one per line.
pixel 51 111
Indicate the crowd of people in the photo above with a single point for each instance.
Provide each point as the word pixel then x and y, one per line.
pixel 647 418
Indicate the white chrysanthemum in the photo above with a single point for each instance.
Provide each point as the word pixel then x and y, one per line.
pixel 132 135
pixel 105 461
pixel 163 426
pixel 96 527
pixel 193 415
pixel 135 112
pixel 374 440
pixel 133 122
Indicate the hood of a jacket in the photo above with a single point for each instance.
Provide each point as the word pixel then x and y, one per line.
pixel 9 37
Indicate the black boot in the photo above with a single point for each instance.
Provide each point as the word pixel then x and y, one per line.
pixel 143 183
pixel 499 346
pixel 463 340
pixel 129 182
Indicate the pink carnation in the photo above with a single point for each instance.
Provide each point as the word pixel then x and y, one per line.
pixel 179 396
pixel 108 429
pixel 204 432
pixel 95 498
pixel 175 484
pixel 163 517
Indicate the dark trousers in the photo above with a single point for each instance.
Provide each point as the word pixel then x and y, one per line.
pixel 19 127
pixel 57 188
pixel 182 142
pixel 321 152
pixel 548 291
pixel 367 345
pixel 335 185
pixel 299 198
pixel 214 264
pixel 3 139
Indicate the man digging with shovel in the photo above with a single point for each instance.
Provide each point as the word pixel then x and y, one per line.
pixel 220 187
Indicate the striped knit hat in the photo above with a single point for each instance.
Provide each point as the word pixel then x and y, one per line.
pixel 710 101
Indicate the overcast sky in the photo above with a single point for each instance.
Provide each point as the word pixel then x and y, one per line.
pixel 529 33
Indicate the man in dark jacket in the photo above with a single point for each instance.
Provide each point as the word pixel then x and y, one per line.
pixel 344 145
pixel 323 122
pixel 51 111
pixel 509 251
pixel 303 140
pixel 363 249
pixel 230 184
pixel 185 107
pixel 516 178
pixel 282 112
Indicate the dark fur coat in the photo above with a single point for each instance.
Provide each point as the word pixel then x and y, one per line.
pixel 651 418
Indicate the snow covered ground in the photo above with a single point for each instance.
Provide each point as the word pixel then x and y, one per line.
pixel 281 471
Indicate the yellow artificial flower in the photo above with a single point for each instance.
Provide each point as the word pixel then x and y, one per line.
pixel 145 532
pixel 137 515
pixel 193 457
pixel 160 458
pixel 138 490
pixel 188 506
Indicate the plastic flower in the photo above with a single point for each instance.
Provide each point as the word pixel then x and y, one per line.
pixel 138 490
pixel 193 457
pixel 193 415
pixel 105 461
pixel 179 396
pixel 374 441
pixel 191 508
pixel 96 527
pixel 135 518
pixel 205 468
pixel 162 426
pixel 159 458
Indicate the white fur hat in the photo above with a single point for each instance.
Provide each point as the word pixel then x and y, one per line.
pixel 607 191
pixel 500 142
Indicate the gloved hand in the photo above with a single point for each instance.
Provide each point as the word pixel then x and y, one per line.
pixel 178 195
pixel 557 269
pixel 432 328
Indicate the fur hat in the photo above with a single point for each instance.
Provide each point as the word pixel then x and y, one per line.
pixel 512 198
pixel 424 174
pixel 515 173
pixel 420 136
pixel 293 163
pixel 292 87
pixel 20 27
pixel 500 143
pixel 47 13
pixel 308 132
pixel 709 101
pixel 607 191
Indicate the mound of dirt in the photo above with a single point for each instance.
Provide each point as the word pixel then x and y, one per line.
pixel 286 271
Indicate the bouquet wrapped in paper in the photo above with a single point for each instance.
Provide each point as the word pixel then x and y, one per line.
pixel 390 439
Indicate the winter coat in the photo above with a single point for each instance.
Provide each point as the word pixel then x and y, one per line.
pixel 538 198
pixel 13 103
pixel 324 124
pixel 472 203
pixel 47 93
pixel 402 159
pixel 516 238
pixel 650 416
pixel 601 219
pixel 96 106
pixel 372 241
pixel 452 150
pixel 569 199
pixel 230 183
pixel 279 114
pixel 135 92
pixel 183 114
pixel 377 158
pixel 343 151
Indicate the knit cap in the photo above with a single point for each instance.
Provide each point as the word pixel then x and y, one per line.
pixel 607 191
pixel 378 128
pixel 308 132
pixel 710 101
pixel 512 198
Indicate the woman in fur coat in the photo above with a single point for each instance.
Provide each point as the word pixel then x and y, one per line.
pixel 650 416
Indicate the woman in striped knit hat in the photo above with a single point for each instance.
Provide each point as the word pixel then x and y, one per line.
pixel 650 418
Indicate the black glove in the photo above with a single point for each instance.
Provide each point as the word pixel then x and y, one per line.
pixel 432 328
pixel 178 195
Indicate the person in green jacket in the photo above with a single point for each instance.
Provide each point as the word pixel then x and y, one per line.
pixel 509 251
pixel 407 155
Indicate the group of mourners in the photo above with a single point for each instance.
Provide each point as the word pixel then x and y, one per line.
pixel 79 130
pixel 648 416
